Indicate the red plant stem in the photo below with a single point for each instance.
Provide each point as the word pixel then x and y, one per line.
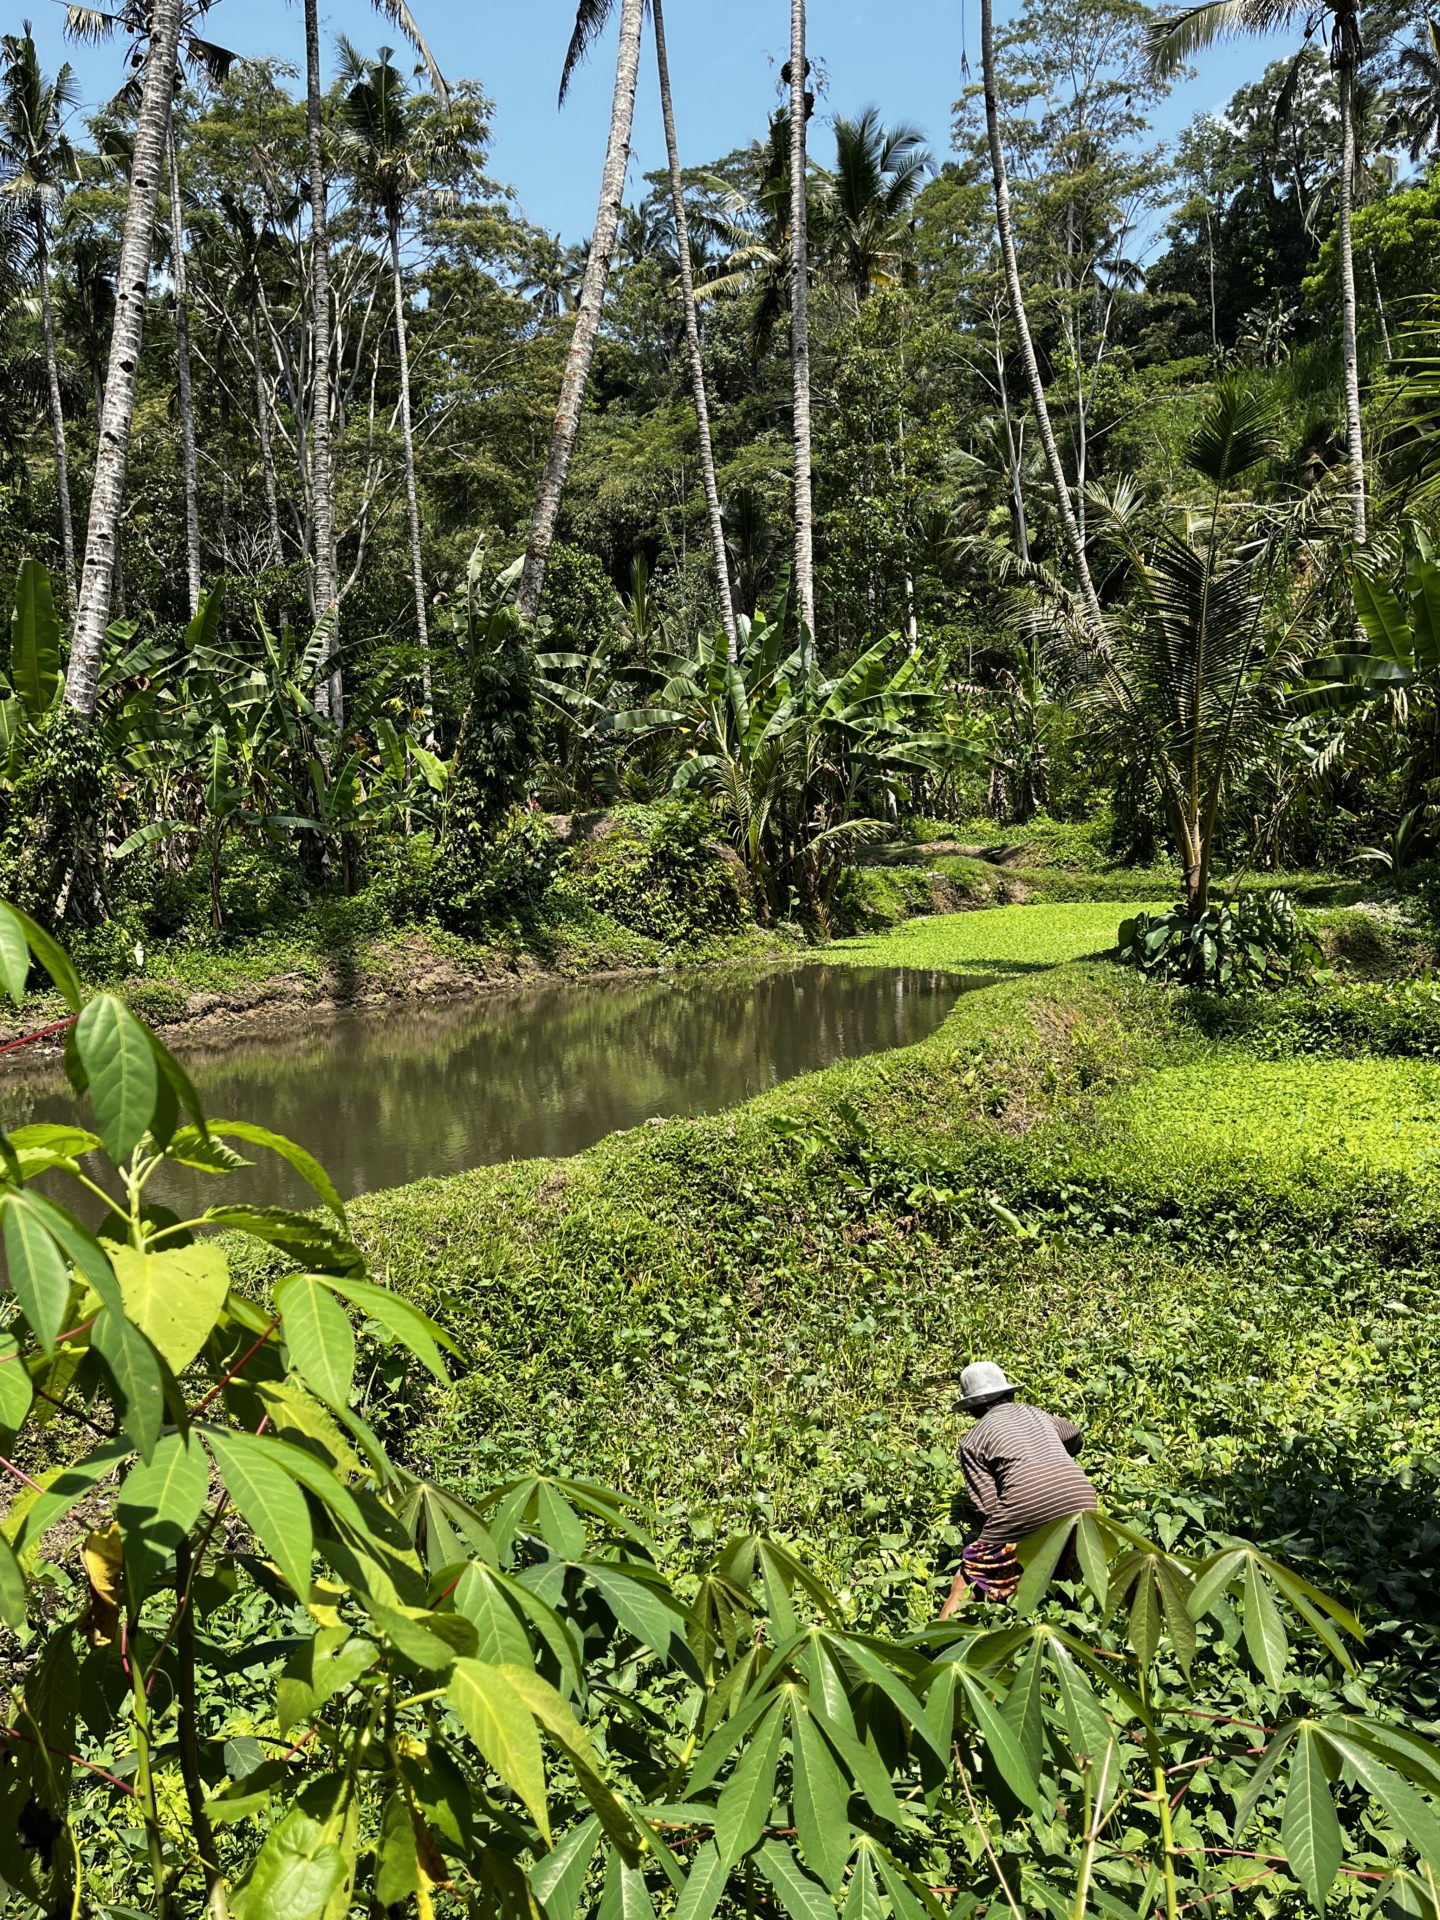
pixel 23 1477
pixel 14 1733
pixel 1234 1887
pixel 71 1333
pixel 242 1362
pixel 1243 1853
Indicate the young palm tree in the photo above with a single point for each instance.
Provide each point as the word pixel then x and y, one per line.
pixel 107 492
pixel 692 335
pixel 801 104
pixel 590 20
pixel 878 172
pixel 1196 667
pixel 1074 539
pixel 36 162
pixel 1175 37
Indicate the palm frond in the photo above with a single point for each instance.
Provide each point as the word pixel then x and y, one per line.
pixel 404 22
pixel 591 17
pixel 1174 38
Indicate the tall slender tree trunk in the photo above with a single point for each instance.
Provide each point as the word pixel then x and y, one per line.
pixel 1063 502
pixel 412 498
pixel 322 467
pixel 1379 306
pixel 587 313
pixel 800 323
pixel 692 335
pixel 1347 34
pixel 57 410
pixel 182 378
pixel 132 282
pixel 262 429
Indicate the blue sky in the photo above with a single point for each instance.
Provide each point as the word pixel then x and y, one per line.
pixel 904 55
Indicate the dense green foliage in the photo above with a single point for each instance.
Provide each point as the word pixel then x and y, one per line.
pixel 719 1718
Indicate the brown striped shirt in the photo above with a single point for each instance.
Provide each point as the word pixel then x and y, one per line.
pixel 1020 1471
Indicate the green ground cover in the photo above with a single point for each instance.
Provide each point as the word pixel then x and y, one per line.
pixel 995 940
pixel 760 1317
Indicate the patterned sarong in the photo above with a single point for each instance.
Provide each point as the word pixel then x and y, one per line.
pixel 993 1568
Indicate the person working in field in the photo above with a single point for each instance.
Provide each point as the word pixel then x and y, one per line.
pixel 1020 1471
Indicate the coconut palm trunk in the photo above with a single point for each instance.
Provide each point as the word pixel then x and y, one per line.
pixel 412 498
pixel 692 334
pixel 262 430
pixel 800 323
pixel 57 410
pixel 185 390
pixel 587 314
pixel 322 467
pixel 1064 504
pixel 1346 49
pixel 132 284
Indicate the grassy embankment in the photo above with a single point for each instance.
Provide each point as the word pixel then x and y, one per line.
pixel 760 1317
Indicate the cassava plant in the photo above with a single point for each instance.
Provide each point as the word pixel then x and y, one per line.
pixel 259 1669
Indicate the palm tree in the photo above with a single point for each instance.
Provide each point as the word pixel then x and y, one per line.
pixel 878 172
pixel 692 336
pixel 322 460
pixel 36 161
pixel 184 388
pixel 590 20
pixel 394 151
pixel 1195 671
pixel 1176 37
pixel 107 492
pixel 1074 539
pixel 802 103
pixel 1416 117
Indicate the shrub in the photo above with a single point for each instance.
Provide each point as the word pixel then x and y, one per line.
pixel 485 881
pixel 1258 940
pixel 1334 1017
pixel 660 871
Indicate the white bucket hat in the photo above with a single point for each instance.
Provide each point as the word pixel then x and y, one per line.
pixel 983 1380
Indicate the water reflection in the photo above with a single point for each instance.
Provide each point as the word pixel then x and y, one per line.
pixel 387 1097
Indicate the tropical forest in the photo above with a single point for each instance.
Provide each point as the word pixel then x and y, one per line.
pixel 720 960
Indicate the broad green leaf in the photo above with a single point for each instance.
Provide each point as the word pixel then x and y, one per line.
pixel 1415 1817
pixel 482 1598
pixel 1040 1554
pixel 1265 1637
pixel 1022 1709
pixel 862 1896
pixel 1309 1829
pixel 48 952
pixel 1094 1563
pixel 704 1885
pixel 503 1728
pixel 626 1896
pixel 1004 1748
pixel 34 638
pixel 159 1502
pixel 555 1718
pixel 16 1392
pixel 558 1877
pixel 800 1896
pixel 1144 1621
pixel 120 1068
pixel 406 1323
pixel 397 1861
pixel 742 1812
pixel 319 1336
pixel 269 1502
pixel 12 1587
pixel 297 1870
pixel 310 1243
pixel 1214 1580
pixel 174 1296
pixel 1087 1725
pixel 32 1514
pixel 1174 1595
pixel 560 1527
pixel 39 1275
pixel 130 1361
pixel 414 1638
pixel 821 1801
pixel 305 1164
pixel 14 957
pixel 656 1620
